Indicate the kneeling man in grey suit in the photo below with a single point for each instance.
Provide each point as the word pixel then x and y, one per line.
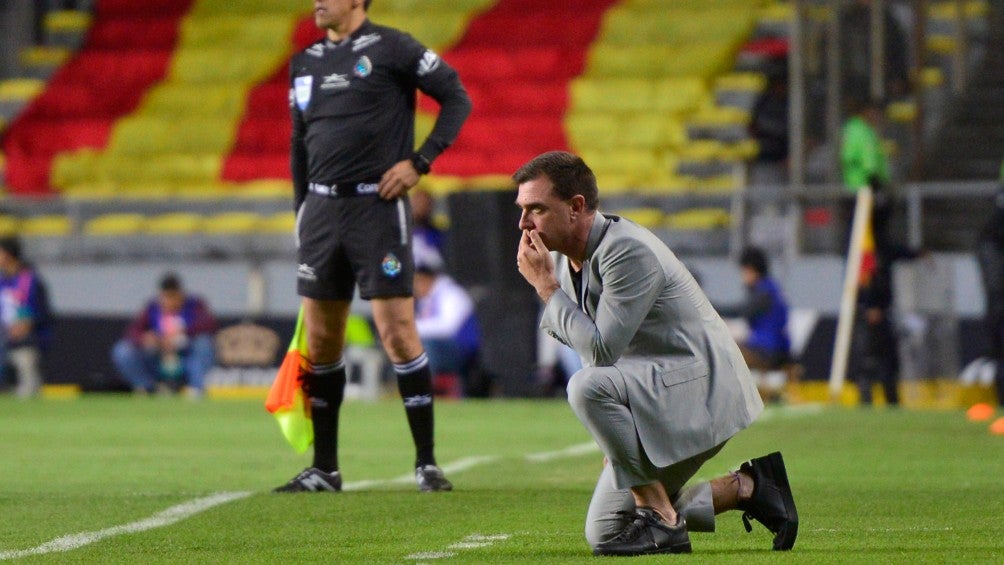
pixel 663 384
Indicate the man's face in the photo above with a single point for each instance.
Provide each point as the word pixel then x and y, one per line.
pixel 171 301
pixel 749 275
pixel 544 212
pixel 329 14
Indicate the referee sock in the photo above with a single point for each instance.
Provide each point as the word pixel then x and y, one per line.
pixel 414 381
pixel 325 384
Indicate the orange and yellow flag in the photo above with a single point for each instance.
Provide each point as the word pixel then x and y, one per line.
pixel 869 259
pixel 286 399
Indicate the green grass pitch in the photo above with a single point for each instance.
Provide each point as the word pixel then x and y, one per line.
pixel 877 486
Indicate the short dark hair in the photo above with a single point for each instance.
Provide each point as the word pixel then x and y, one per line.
pixel 11 245
pixel 170 282
pixel 755 259
pixel 366 4
pixel 568 172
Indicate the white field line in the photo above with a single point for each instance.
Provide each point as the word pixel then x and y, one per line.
pixel 572 451
pixel 166 518
pixel 473 541
pixel 457 466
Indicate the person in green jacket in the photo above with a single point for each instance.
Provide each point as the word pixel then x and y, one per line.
pixel 864 163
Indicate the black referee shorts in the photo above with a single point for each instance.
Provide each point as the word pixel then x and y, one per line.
pixel 349 240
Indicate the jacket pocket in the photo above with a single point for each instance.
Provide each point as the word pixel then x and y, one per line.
pixel 689 371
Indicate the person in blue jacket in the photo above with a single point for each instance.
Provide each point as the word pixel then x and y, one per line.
pixel 25 316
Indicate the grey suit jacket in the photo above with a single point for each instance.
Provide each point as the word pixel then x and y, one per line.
pixel 641 311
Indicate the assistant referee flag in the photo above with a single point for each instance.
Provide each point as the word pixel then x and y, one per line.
pixel 286 400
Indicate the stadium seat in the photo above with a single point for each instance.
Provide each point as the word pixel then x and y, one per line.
pixel 9 225
pixel 175 223
pixel 114 224
pixel 47 225
pixel 281 222
pixel 698 219
pixel 646 217
pixel 65 28
pixel 231 223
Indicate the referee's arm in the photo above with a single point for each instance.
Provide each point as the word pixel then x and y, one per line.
pixel 443 85
pixel 297 151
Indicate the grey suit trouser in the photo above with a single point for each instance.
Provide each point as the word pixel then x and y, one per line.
pixel 598 397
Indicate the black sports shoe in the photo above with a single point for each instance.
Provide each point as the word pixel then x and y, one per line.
pixel 646 534
pixel 771 503
pixel 312 479
pixel 431 478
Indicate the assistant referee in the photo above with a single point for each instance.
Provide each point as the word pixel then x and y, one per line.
pixel 352 100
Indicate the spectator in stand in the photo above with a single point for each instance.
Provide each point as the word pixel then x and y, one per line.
pixel 767 347
pixel 169 344
pixel 425 230
pixel 26 317
pixel 769 126
pixel 446 320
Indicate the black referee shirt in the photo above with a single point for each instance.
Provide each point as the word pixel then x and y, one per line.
pixel 353 106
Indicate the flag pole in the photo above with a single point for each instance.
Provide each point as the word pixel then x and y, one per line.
pixel 849 296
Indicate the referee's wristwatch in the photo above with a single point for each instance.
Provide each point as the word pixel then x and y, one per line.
pixel 421 163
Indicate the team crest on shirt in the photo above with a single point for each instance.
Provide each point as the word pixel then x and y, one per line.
pixel 302 87
pixel 391 265
pixel 363 67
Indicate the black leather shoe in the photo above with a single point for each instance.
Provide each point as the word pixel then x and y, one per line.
pixel 645 534
pixel 771 503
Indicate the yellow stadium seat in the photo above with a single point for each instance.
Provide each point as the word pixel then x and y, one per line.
pixel 41 56
pixel 591 129
pixel 902 111
pixel 719 116
pixel 9 225
pixel 20 89
pixel 645 217
pixel 616 95
pixel 174 99
pixel 949 10
pixel 232 223
pixel 441 185
pixel 281 222
pixel 941 44
pixel 745 82
pixel 701 150
pixel 175 223
pixel 153 135
pixel 718 184
pixel 699 219
pixel 46 225
pixel 679 94
pixel 635 166
pixel 114 224
pixel 66 21
pixel 932 77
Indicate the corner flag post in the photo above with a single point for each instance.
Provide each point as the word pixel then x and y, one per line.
pixel 861 237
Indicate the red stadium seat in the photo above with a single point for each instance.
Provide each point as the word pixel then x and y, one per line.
pixel 133 33
pixel 264 135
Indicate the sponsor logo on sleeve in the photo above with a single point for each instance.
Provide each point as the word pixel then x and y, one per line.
pixel 302 87
pixel 429 63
